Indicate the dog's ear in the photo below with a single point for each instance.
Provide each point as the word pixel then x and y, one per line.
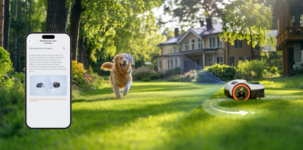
pixel 115 60
pixel 130 59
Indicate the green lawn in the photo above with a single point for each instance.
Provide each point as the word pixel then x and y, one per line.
pixel 174 115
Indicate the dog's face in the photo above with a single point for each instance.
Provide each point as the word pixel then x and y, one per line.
pixel 123 60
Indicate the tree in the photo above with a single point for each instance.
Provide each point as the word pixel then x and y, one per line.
pixel 250 20
pixel 55 21
pixel 74 27
pixel 194 10
pixel 7 21
pixel 15 63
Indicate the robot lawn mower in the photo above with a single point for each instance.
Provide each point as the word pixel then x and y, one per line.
pixel 242 90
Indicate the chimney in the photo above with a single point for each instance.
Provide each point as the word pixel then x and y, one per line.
pixel 209 24
pixel 176 31
pixel 201 23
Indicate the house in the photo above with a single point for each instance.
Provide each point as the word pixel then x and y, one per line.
pixel 289 15
pixel 204 47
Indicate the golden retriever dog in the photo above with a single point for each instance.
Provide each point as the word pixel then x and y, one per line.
pixel 120 76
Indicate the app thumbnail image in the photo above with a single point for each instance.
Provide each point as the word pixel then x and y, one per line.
pixel 48 85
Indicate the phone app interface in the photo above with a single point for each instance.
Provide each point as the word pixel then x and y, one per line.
pixel 48 81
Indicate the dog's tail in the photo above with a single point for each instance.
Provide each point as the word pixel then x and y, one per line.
pixel 107 66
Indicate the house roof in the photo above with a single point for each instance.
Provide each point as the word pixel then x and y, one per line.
pixel 172 40
pixel 199 32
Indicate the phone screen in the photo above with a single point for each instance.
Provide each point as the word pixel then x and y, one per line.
pixel 48 86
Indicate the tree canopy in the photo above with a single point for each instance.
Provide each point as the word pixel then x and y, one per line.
pixel 247 19
pixel 112 27
pixel 195 10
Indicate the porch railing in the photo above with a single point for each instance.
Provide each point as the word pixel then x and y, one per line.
pixel 290 33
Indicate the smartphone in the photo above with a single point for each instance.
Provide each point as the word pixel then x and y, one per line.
pixel 48 83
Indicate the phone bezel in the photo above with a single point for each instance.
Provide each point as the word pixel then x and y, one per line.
pixel 70 65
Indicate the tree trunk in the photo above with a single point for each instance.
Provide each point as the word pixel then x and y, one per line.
pixel 67 16
pixel 55 21
pixel 29 16
pixel 81 49
pixel 2 5
pixel 19 57
pixel 86 56
pixel 7 22
pixel 252 51
pixel 228 61
pixel 19 51
pixel 15 39
pixel 74 27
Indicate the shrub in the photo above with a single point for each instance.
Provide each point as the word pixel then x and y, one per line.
pixel 273 69
pixel 146 79
pixel 154 76
pixel 142 72
pixel 77 73
pixel 12 109
pixel 189 76
pixel 251 69
pixel 205 76
pixel 298 68
pixel 90 70
pixel 177 71
pixel 168 72
pixel 19 76
pixel 161 75
pixel 5 62
pixel 175 78
pixel 98 82
pixel 223 72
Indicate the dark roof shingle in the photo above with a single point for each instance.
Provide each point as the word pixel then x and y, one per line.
pixel 201 31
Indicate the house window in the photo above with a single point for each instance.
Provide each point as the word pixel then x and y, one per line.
pixel 238 44
pixel 175 50
pixel 232 60
pixel 214 42
pixel 171 64
pixel 220 60
pixel 168 64
pixel 209 43
pixel 200 43
pixel 241 58
pixel 219 43
pixel 176 62
pixel 186 46
pixel 160 64
pixel 248 58
pixel 168 50
pixel 193 43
